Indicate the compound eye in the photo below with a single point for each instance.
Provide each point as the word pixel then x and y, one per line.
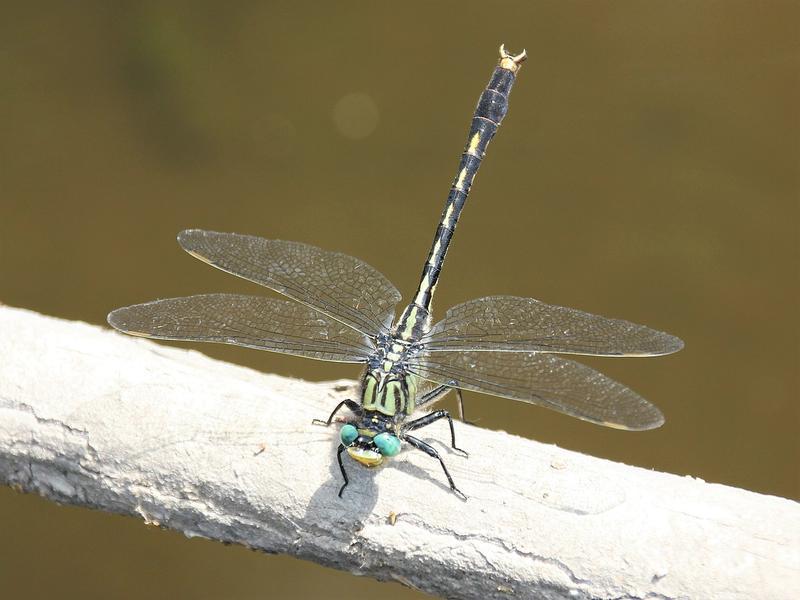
pixel 348 434
pixel 388 444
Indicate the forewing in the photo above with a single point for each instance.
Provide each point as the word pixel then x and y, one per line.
pixel 343 287
pixel 512 324
pixel 263 323
pixel 543 379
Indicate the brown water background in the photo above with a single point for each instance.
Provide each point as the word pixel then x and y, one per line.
pixel 648 170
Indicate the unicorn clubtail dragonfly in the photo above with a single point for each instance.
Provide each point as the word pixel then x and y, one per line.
pixel 341 309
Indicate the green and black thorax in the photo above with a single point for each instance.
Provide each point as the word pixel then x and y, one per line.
pixel 387 387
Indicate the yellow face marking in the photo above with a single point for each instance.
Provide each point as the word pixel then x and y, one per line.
pixel 460 182
pixel 473 144
pixel 368 458
pixel 387 365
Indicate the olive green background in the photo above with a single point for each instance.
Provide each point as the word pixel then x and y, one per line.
pixel 648 170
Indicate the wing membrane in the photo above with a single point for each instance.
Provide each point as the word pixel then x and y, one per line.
pixel 263 323
pixel 512 324
pixel 543 379
pixel 343 287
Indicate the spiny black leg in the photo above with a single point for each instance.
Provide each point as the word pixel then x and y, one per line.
pixel 430 451
pixel 351 404
pixel 430 418
pixel 341 467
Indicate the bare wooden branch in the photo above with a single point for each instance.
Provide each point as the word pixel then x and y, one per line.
pixel 93 418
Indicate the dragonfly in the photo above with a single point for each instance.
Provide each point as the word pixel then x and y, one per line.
pixel 338 308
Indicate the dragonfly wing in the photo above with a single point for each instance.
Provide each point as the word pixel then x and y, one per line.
pixel 263 323
pixel 543 379
pixel 341 286
pixel 512 324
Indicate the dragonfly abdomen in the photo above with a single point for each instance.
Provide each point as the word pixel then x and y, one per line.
pixel 489 113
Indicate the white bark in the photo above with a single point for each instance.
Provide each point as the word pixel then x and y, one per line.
pixel 94 418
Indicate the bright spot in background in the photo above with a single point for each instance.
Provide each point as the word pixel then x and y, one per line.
pixel 355 116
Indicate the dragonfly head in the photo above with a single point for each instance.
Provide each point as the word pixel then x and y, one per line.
pixel 368 448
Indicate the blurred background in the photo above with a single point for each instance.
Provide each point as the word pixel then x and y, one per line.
pixel 648 170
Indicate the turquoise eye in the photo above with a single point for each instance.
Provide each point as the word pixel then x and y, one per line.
pixel 388 444
pixel 348 434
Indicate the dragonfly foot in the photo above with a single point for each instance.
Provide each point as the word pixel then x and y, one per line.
pixel 460 494
pixel 341 467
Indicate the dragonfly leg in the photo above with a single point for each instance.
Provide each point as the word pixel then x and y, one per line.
pixel 431 451
pixel 351 404
pixel 341 468
pixel 461 407
pixel 442 390
pixel 432 417
pixel 434 395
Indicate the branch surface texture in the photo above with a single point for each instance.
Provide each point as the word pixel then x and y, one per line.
pixel 93 418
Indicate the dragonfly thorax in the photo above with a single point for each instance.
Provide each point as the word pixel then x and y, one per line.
pixel 389 389
pixel 391 354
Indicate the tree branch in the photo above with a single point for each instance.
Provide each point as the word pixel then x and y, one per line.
pixel 93 418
